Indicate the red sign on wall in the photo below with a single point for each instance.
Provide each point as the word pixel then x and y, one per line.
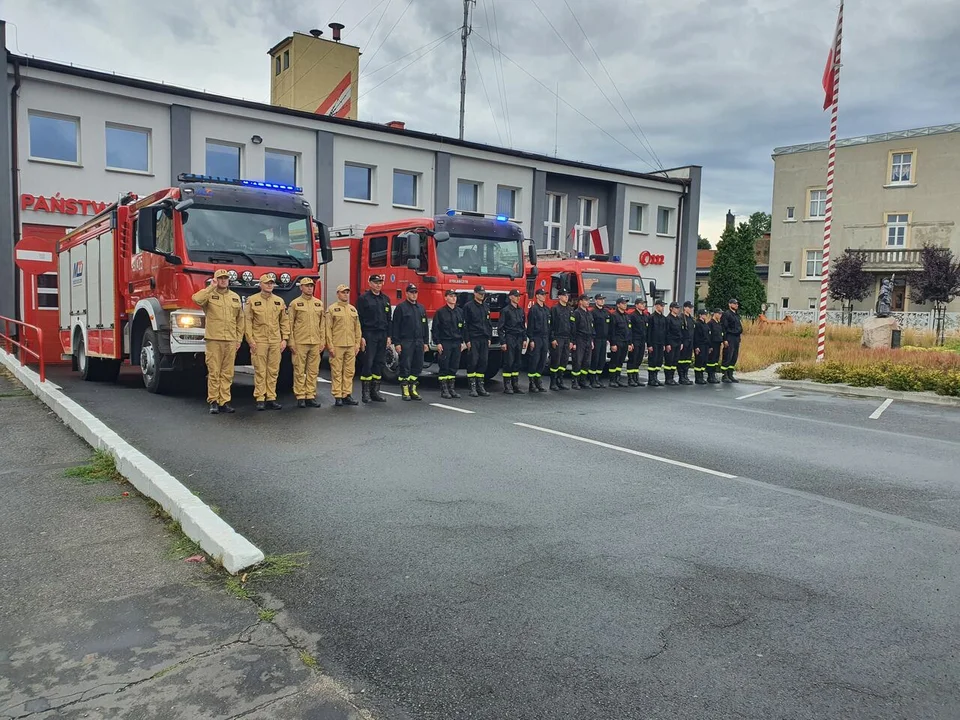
pixel 61 205
pixel 648 258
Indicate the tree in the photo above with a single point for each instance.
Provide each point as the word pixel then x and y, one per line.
pixel 760 224
pixel 734 272
pixel 849 282
pixel 938 281
pixel 702 243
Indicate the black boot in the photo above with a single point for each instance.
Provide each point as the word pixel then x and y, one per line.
pixel 685 376
pixel 348 400
pixel 560 385
pixel 532 387
pixel 481 389
pixel 444 391
pixel 273 405
pixel 301 403
pixel 670 379
pixel 473 387
pixel 614 380
pixel 653 379
pixel 365 391
pixel 338 402
pixel 312 402
pixel 699 376
pixel 452 388
pixel 227 408
pixel 515 380
pixel 553 381
pixel 507 387
pixel 726 377
pixel 214 409
pixel 575 382
pixel 375 392
pixel 712 377
pixel 733 378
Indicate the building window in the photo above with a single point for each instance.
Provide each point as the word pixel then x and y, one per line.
pixel 223 160
pixel 277 71
pixel 901 168
pixel 817 204
pixel 128 148
pixel 405 187
pixel 785 303
pixel 47 291
pixel 791 213
pixel 812 304
pixel 507 201
pixel 468 195
pixel 787 267
pixel 663 220
pixel 280 167
pixel 637 212
pixel 378 252
pixel 54 137
pixel 897 224
pixel 586 221
pixel 286 59
pixel 553 225
pixel 358 182
pixel 813 260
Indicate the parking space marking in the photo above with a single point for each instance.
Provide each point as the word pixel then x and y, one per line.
pixel 629 451
pixel 455 409
pixel 759 392
pixel 883 406
pixel 392 394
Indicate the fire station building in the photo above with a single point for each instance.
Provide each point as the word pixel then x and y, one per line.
pixel 76 139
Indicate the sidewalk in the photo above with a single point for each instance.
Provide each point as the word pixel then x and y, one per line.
pixel 99 619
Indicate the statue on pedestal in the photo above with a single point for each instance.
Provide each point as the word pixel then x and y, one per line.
pixel 885 300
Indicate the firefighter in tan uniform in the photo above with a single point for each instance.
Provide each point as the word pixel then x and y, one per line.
pixel 343 343
pixel 267 332
pixel 308 338
pixel 223 332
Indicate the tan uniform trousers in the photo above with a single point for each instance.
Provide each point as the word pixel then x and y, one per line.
pixel 266 368
pixel 342 369
pixel 306 365
pixel 220 356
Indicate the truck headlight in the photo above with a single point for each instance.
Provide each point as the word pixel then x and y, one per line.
pixel 285 279
pixel 187 320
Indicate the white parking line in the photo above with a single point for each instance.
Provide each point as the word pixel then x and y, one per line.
pixel 883 406
pixel 455 409
pixel 759 392
pixel 648 456
pixel 392 394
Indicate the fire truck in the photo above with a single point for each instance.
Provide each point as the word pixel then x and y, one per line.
pixel 127 276
pixel 581 274
pixel 458 250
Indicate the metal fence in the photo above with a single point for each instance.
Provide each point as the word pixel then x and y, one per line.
pixel 911 320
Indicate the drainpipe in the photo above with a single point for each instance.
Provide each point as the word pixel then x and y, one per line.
pixel 676 250
pixel 14 159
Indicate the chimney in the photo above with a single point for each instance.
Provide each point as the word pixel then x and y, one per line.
pixel 336 28
pixel 316 33
pixel 731 219
pixel 397 125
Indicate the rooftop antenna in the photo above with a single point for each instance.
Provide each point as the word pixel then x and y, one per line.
pixel 316 33
pixel 336 28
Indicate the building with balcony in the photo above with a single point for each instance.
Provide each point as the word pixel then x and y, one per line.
pixel 894 193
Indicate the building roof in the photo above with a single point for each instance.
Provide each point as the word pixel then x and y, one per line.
pixel 705 259
pixel 866 139
pixel 115 79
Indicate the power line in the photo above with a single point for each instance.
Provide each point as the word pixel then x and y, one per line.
pixel 503 81
pixel 334 16
pixel 612 82
pixel 396 60
pixel 375 27
pixel 436 44
pixel 569 105
pixel 489 104
pixel 385 37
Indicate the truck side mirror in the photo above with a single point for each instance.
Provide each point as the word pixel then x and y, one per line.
pixel 653 289
pixel 323 242
pixel 532 254
pixel 413 250
pixel 147 228
pixel 441 236
pixel 413 264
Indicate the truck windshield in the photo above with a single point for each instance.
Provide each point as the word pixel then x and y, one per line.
pixel 247 237
pixel 480 256
pixel 610 284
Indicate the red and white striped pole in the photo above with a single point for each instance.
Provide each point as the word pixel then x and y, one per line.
pixel 831 167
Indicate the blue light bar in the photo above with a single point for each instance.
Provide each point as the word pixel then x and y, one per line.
pixel 616 258
pixel 216 179
pixel 580 256
pixel 502 218
pixel 451 212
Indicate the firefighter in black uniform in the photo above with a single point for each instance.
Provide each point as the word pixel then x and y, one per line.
pixel 701 345
pixel 374 309
pixel 638 333
pixel 620 340
pixel 582 343
pixel 476 314
pixel 450 337
pixel 656 340
pixel 716 343
pixel 511 330
pixel 601 332
pixel 685 358
pixel 410 336
pixel 561 330
pixel 732 330
pixel 538 341
pixel 674 341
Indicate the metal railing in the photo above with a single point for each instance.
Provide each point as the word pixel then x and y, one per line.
pixel 9 343
pixel 892 258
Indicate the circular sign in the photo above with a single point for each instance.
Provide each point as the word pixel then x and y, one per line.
pixel 648 258
pixel 543 283
pixel 393 277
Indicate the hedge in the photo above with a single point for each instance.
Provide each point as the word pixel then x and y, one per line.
pixel 882 374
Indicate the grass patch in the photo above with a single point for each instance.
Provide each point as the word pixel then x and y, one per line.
pixel 272 566
pixel 267 615
pixel 100 468
pixel 309 660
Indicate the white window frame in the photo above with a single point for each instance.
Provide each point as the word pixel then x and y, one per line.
pixel 669 211
pixel 296 163
pixel 55 291
pixel 516 200
pixel 791 214
pixel 787 269
pixel 130 128
pixel 583 228
pixel 810 201
pixel 807 260
pixel 813 303
pixel 899 226
pixel 550 225
pixel 372 191
pixel 785 303
pixel 477 194
pixel 910 165
pixel 642 229
pixel 54 116
pixel 417 177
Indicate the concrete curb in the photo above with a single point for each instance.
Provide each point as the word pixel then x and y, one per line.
pixel 197 520
pixel 922 398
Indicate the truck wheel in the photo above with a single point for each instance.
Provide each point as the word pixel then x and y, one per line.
pixel 150 356
pixel 87 366
pixel 494 361
pixel 391 365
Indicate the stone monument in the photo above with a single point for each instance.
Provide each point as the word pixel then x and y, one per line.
pixel 878 331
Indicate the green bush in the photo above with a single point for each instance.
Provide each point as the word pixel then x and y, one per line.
pixel 908 378
pixel 865 376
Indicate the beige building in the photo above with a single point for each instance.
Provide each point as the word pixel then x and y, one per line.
pixel 315 75
pixel 894 193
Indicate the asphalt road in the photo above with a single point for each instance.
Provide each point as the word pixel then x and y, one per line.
pixel 625 553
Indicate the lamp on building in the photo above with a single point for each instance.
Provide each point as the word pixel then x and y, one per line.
pixel 256 139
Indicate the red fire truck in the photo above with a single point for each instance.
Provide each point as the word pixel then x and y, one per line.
pixel 127 276
pixel 458 250
pixel 590 274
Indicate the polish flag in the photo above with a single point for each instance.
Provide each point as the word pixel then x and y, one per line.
pixel 601 241
pixel 830 71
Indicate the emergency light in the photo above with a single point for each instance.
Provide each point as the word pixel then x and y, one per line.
pixel 192 177
pixel 470 213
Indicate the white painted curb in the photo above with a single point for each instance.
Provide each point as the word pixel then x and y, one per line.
pixel 197 520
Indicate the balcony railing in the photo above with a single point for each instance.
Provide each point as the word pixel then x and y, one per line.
pixel 889 259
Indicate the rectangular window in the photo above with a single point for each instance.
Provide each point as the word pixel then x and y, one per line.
pixel 47 291
pixel 813 260
pixel 277 71
pixel 663 220
pixel 223 160
pixel 637 211
pixel 358 182
pixel 468 195
pixel 128 148
pixel 897 224
pixel 787 267
pixel 280 167
pixel 507 201
pixel 817 204
pixel 785 303
pixel 54 137
pixel 791 213
pixel 901 168
pixel 586 221
pixel 286 59
pixel 405 186
pixel 398 251
pixel 553 225
pixel 812 304
pixel 378 252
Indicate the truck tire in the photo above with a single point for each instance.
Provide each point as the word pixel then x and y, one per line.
pixel 494 362
pixel 88 367
pixel 154 379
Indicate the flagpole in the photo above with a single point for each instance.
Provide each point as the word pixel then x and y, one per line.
pixel 828 220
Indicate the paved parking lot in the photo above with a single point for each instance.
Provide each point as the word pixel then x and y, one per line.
pixel 696 552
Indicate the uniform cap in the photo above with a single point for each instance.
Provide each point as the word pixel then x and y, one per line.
pixel 305 281
pixel 688 304
pixel 599 296
pixel 341 287
pixel 514 293
pixel 540 291
pixel 674 305
pixel 733 301
pixel 584 297
pixel 411 288
pixel 268 278
pixel 562 291
pixel 718 311
pixel 375 278
pixel 479 289
pixel 702 311
pixel 639 300
pixel 658 303
pixel 220 273
pixel 450 292
pixel 622 299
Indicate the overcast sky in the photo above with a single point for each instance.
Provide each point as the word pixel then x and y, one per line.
pixel 718 83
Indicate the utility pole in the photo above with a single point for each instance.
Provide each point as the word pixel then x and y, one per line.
pixel 466 30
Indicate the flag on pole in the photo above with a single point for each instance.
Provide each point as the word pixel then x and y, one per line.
pixel 829 72
pixel 601 240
